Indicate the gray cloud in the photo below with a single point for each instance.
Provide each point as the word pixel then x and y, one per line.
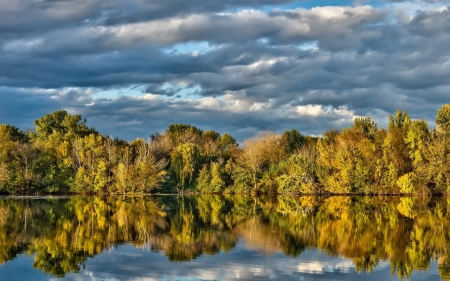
pixel 31 16
pixel 133 71
pixel 324 24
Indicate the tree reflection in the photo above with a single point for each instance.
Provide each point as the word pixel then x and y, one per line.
pixel 62 234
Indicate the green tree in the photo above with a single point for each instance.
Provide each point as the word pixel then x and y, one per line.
pixel 228 146
pixel 292 140
pixel 185 164
pixel 443 119
pixel 55 135
pixel 63 124
pixel 366 126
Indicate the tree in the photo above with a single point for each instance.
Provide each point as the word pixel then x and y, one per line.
pixel 18 162
pixel 228 146
pixel 292 140
pixel 212 179
pixel 366 126
pixel 396 160
pixel 63 124
pixel 185 163
pixel 183 133
pixel 6 143
pixel 435 167
pixel 400 121
pixel 259 153
pixel 210 135
pixel 4 174
pixel 16 134
pixel 90 164
pixel 56 133
pixel 210 146
pixel 147 173
pixel 415 138
pixel 443 119
pixel 299 172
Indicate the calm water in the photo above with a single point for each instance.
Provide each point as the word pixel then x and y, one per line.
pixel 225 238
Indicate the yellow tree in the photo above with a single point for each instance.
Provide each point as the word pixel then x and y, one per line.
pixel 90 164
pixel 6 147
pixel 147 173
pixel 396 160
pixel 259 153
pixel 443 119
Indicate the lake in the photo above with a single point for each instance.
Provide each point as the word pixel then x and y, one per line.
pixel 224 238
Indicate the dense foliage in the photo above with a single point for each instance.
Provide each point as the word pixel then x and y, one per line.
pixel 64 155
pixel 409 232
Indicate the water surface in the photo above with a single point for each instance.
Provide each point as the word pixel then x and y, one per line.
pixel 224 238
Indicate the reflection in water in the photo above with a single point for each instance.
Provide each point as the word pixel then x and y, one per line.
pixel 364 233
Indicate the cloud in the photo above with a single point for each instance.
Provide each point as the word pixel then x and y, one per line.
pixel 21 106
pixel 229 116
pixel 132 68
pixel 279 27
pixel 239 263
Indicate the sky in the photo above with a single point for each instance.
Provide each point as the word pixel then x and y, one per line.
pixel 133 67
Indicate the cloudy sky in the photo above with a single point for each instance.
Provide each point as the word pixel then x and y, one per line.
pixel 239 66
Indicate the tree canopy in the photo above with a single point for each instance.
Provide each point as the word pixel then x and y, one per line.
pixel 65 155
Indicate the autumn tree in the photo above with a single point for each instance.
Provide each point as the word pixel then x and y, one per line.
pixel 90 164
pixel 396 160
pixel 6 147
pixel 147 172
pixel 443 119
pixel 259 153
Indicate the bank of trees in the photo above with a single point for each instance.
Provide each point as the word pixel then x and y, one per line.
pixel 63 154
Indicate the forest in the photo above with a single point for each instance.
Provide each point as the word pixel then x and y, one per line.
pixel 63 155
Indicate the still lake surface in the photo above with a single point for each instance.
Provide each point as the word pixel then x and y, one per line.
pixel 224 238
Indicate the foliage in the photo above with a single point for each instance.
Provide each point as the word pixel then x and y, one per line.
pixel 185 163
pixel 407 183
pixel 292 140
pixel 443 119
pixel 65 155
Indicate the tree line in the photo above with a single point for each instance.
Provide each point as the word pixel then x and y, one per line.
pixel 64 155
